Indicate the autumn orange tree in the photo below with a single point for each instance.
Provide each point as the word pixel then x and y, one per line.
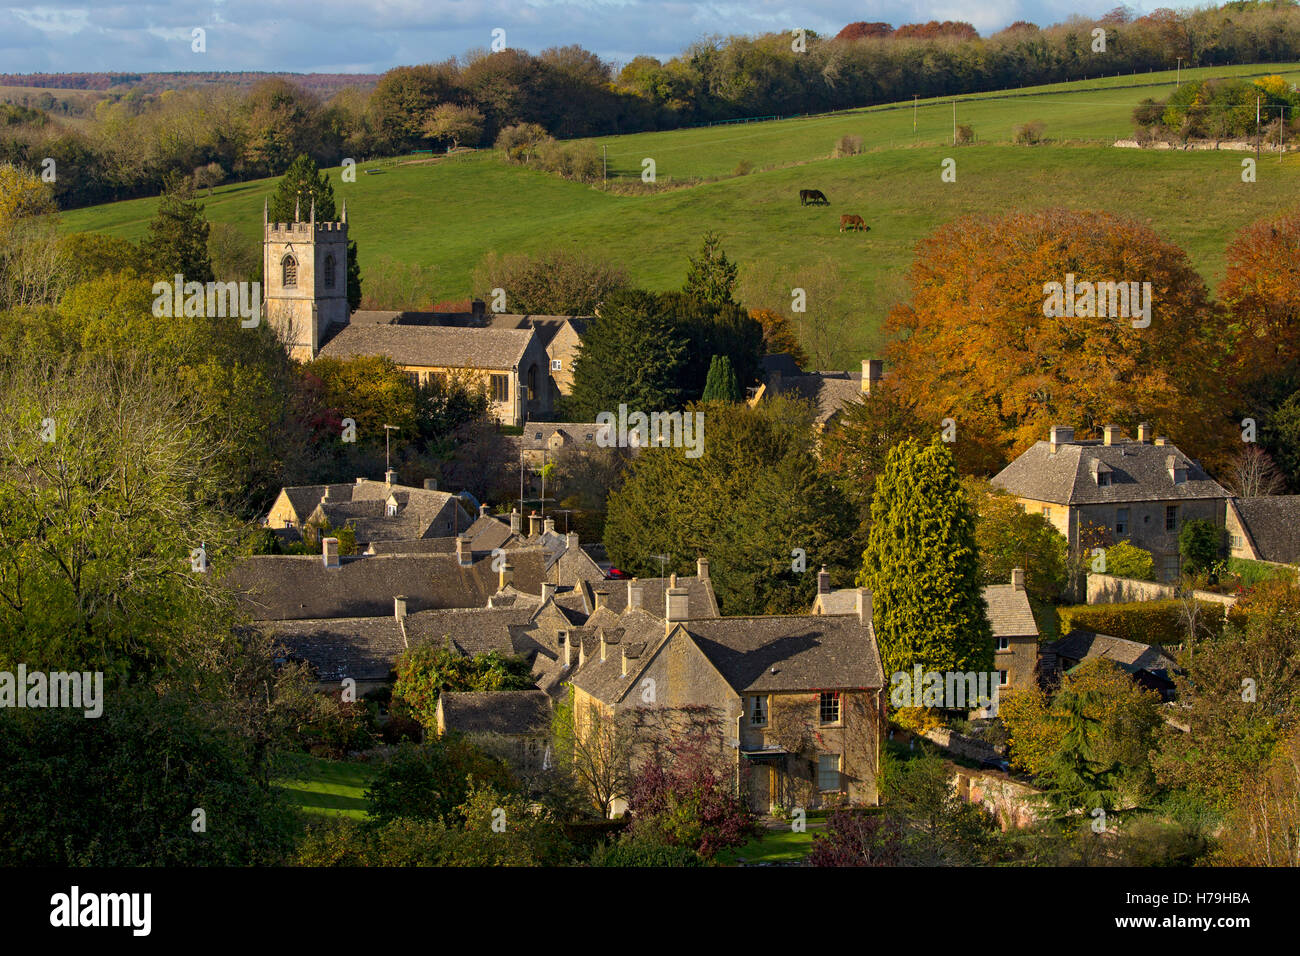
pixel 974 344
pixel 1261 293
pixel 779 335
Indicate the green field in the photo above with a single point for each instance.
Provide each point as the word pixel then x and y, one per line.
pixel 447 214
pixel 772 846
pixel 327 787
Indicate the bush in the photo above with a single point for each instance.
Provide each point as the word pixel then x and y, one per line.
pixel 431 781
pixel 965 135
pixel 631 851
pixel 1249 573
pixel 743 168
pixel 1199 543
pixel 519 143
pixel 1129 561
pixel 1029 134
pixel 858 839
pixel 848 146
pixel 1147 622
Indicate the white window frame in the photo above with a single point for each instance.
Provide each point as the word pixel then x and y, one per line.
pixel 838 771
pixel 758 710
pixel 557 364
pixel 1004 643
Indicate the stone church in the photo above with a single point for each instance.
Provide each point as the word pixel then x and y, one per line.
pixel 305 280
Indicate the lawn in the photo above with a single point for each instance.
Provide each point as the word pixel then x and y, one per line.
pixel 448 214
pixel 773 846
pixel 319 786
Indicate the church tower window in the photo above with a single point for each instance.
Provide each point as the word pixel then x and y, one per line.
pixel 329 272
pixel 289 266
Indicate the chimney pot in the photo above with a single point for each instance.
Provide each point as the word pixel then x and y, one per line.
pixel 549 526
pixel 571 541
pixel 678 607
pixel 672 579
pixel 390 477
pixel 330 552
pixel 482 511
pixel 516 521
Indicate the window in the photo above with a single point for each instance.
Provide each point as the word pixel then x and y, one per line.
pixel 556 365
pixel 1047 513
pixel 1002 678
pixel 500 388
pixel 830 707
pixel 1121 521
pixel 329 272
pixel 391 510
pixel 1171 517
pixel 828 772
pixel 757 711
pixel 1236 540
pixel 1004 643
pixel 1103 479
pixel 289 272
pixel 532 383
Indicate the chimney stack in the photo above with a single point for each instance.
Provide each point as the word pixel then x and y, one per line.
pixel 571 541
pixel 431 484
pixel 702 568
pixel 872 373
pixel 390 477
pixel 399 607
pixel 823 581
pixel 534 525
pixel 482 511
pixel 1111 434
pixel 566 647
pixel 678 607
pixel 326 495
pixel 548 526
pixel 464 556
pixel 506 577
pixel 1018 578
pixel 516 521
pixel 864 606
pixel 329 549
pixel 634 594
pixel 1145 432
pixel 1060 435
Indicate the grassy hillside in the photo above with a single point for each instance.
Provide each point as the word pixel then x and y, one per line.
pixel 449 213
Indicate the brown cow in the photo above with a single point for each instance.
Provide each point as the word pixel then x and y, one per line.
pixel 853 222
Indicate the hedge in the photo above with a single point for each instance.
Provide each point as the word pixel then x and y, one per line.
pixel 1147 622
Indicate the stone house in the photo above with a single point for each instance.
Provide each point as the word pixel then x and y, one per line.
pixel 798 699
pixel 1015 632
pixel 1265 528
pixel 514 724
pixel 1142 490
pixel 509 364
pixel 376 510
pixel 829 392
pixel 1147 664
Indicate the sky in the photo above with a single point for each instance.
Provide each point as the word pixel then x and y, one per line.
pixel 370 36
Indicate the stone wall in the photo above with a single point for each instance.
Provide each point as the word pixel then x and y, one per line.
pixel 972 748
pixel 1013 803
pixel 1109 589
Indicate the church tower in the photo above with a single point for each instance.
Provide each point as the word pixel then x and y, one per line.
pixel 305 280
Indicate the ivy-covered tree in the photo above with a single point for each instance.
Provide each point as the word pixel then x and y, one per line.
pixel 302 185
pixel 721 384
pixel 922 566
pixel 1199 543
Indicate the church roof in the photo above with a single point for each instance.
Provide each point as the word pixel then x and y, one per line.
pixel 434 346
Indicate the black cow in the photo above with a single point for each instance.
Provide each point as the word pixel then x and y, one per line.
pixel 813 197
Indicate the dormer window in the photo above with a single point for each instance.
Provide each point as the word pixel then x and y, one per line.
pixel 289 272
pixel 1101 473
pixel 391 509
pixel 1177 469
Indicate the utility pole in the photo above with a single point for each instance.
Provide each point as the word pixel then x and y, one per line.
pixel 954 122
pixel 1256 130
pixel 1179 75
pixel 604 162
pixel 915 96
